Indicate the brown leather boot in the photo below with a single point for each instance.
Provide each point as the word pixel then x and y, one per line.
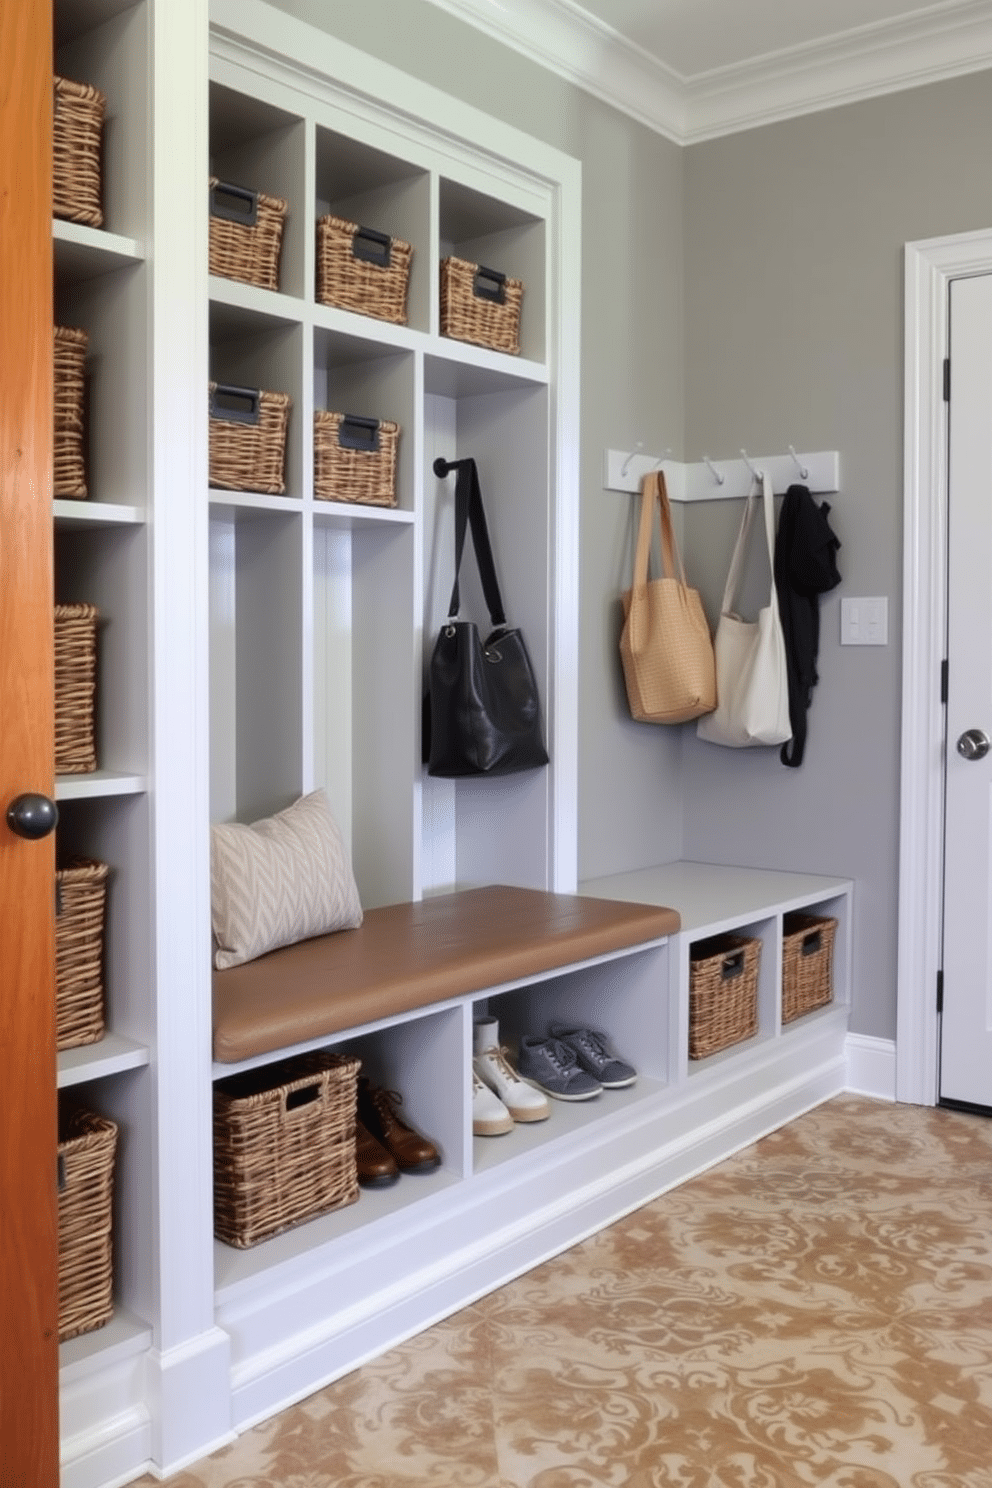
pixel 374 1167
pixel 377 1110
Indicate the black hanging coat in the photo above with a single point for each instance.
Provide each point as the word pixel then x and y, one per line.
pixel 805 567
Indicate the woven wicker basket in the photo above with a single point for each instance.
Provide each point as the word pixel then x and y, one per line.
pixel 76 153
pixel 79 940
pixel 807 963
pixel 75 688
pixel 480 305
pixel 362 270
pixel 723 992
pixel 284 1145
pixel 87 1149
pixel 354 459
pixel 245 234
pixel 69 474
pixel 248 439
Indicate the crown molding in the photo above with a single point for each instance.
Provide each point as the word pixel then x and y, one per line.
pixel 885 57
pixel 566 40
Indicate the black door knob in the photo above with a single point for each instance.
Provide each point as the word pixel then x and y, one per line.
pixel 32 815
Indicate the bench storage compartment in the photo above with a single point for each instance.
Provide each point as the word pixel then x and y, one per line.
pixel 284 1145
pixel 723 993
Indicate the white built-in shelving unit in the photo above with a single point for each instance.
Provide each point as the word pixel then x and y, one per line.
pixel 253 647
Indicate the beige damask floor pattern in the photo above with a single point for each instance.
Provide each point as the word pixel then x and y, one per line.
pixel 816 1312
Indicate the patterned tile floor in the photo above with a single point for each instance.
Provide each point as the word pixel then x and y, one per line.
pixel 815 1312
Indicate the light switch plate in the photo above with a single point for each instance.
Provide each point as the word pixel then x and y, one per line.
pixel 864 622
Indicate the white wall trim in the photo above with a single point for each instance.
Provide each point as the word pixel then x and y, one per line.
pixel 863 62
pixel 930 267
pixel 871 1066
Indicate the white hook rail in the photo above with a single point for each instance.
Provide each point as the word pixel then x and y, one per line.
pixel 724 480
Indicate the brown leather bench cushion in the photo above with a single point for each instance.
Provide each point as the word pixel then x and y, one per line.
pixel 406 956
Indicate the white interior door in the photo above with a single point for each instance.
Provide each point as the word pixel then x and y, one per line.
pixel 966 1023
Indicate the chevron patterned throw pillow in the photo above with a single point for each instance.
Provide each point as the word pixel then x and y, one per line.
pixel 279 880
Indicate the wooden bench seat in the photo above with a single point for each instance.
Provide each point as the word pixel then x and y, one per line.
pixel 407 956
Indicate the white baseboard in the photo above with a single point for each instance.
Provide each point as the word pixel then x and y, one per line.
pixel 871 1066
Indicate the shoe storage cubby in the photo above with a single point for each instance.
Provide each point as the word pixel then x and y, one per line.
pixel 626 1001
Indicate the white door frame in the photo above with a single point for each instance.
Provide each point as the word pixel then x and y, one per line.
pixel 930 266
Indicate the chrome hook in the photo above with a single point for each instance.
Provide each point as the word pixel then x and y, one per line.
pixel 717 475
pixel 804 473
pixel 659 462
pixel 632 456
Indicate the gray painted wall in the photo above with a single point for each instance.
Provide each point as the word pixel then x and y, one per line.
pixel 745 291
pixel 794 314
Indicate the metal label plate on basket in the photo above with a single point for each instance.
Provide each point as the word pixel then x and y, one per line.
pixel 234 204
pixel 235 405
pixel 372 247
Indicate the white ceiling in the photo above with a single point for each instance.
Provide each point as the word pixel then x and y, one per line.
pixel 696 68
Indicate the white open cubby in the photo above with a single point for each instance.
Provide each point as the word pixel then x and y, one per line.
pixel 108 567
pixel 115 831
pixel 256 670
pixel 262 149
pixel 377 190
pixel 107 300
pixel 498 234
pixel 105 43
pixel 364 378
pixel 262 350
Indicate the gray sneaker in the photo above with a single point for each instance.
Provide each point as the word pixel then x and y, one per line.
pixel 597 1058
pixel 554 1068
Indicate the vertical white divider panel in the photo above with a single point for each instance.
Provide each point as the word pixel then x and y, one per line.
pixel 332 670
pixel 437 568
pixel 308 597
pixel 563 296
pixel 188 1373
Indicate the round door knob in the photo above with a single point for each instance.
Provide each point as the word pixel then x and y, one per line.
pixel 973 744
pixel 32 815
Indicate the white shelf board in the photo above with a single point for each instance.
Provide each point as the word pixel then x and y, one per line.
pixel 270 303
pixel 455 369
pixel 714 897
pixel 567 1119
pixel 366 335
pixel 85 514
pixel 350 514
pixel 112 1054
pixel 252 503
pixel 97 784
pixel 233 1267
pixel 83 252
pixel 121 1338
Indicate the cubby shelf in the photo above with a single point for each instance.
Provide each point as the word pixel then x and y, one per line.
pixel 110 1056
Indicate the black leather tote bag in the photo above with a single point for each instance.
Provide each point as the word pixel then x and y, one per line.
pixel 482 713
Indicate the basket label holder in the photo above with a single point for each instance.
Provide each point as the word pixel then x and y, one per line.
pixel 372 247
pixel 235 405
pixel 357 433
pixel 234 204
pixel 489 284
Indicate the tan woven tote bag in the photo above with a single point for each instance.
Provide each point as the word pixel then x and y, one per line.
pixel 665 645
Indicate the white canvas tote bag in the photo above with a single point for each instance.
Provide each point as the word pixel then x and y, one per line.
pixel 752 685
